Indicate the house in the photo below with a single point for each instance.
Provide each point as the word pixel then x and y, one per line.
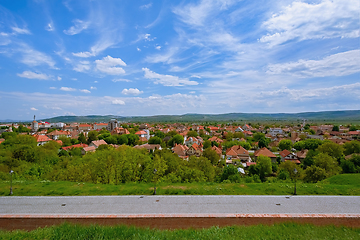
pixel 286 155
pixel 180 150
pixel 99 126
pixel 56 134
pixel 194 149
pixel 149 146
pixel 80 145
pixel 41 139
pixel 85 128
pixel 191 140
pixel 238 152
pixel 217 150
pixel 119 131
pixel 2 140
pixel 97 143
pixel 143 134
pixel 215 139
pixel 265 152
pixel 275 131
pixel 88 149
pixel 301 155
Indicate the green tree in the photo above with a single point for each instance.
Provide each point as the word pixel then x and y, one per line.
pixel 159 134
pixel 231 173
pixel 285 144
pixel 154 140
pixel 347 166
pixel 122 139
pixel 328 163
pixel 92 136
pixel 82 138
pixel 264 166
pixel 192 134
pixel 336 128
pixel 314 174
pixel 176 139
pixel 211 155
pixel 332 149
pixel 132 139
pixel 351 147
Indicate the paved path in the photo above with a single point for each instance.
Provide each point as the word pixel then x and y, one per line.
pixel 219 204
pixel 178 211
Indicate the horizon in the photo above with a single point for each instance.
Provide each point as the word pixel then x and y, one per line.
pixel 151 58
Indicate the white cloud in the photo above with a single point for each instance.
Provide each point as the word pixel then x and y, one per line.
pixel 33 57
pixel 83 66
pixel 20 30
pixel 340 64
pixel 83 54
pixel 158 47
pixel 109 65
pixel 78 27
pixel 138 49
pixel 93 88
pixel 33 75
pixel 121 80
pixel 118 102
pixel 167 80
pixel 67 89
pixel 84 91
pixel 131 91
pixel 146 6
pixel 59 78
pixel 50 27
pixel 33 109
pixel 324 19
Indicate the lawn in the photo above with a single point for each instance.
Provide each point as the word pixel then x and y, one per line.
pixel 344 184
pixel 278 231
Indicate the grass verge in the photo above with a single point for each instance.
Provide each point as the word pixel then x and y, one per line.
pixel 345 184
pixel 278 231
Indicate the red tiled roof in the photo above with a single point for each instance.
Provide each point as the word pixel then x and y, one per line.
pixel 83 145
pixel 42 138
pixel 284 153
pixel 97 143
pixel 140 133
pixel 264 152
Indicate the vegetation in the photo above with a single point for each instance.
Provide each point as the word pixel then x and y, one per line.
pixel 277 231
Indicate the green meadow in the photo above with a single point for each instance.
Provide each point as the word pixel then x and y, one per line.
pixel 344 184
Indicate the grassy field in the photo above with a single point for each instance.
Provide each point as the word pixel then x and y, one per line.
pixel 344 184
pixel 279 231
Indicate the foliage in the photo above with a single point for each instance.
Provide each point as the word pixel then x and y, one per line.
pixel 176 139
pixel 289 167
pixel 82 138
pixel 285 144
pixel 264 166
pixel 351 147
pixel 230 173
pixel 192 134
pixel 211 155
pixel 159 134
pixel 311 144
pixel 335 128
pixel 92 136
pixel 154 140
pixel 314 174
pixel 332 149
pixel 328 163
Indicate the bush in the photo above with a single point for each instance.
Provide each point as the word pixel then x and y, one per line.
pixel 314 174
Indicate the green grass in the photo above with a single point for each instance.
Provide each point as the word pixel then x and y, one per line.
pixel 345 184
pixel 278 231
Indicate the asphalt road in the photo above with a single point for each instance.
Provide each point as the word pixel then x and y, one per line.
pixel 219 204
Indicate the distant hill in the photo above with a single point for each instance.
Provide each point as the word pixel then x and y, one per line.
pixel 351 115
pixel 329 116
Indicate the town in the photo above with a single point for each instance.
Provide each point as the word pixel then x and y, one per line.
pixel 180 152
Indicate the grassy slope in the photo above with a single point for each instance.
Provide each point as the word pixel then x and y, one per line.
pixel 345 184
pixel 278 231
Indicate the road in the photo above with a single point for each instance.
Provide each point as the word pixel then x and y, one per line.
pixel 180 207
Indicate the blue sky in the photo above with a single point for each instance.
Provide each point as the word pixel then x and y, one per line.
pixel 139 58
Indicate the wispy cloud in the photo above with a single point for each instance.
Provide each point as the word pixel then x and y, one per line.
pixel 121 80
pixel 131 91
pixel 33 109
pixel 325 19
pixel 340 64
pixel 118 102
pixel 20 30
pixel 33 75
pixel 84 91
pixel 167 80
pixel 146 6
pixel 67 89
pixel 82 66
pixel 33 57
pixel 109 65
pixel 78 27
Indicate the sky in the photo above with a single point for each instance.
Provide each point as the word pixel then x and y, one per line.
pixel 162 57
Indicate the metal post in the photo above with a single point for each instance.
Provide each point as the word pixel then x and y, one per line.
pixel 11 191
pixel 295 172
pixel 154 182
